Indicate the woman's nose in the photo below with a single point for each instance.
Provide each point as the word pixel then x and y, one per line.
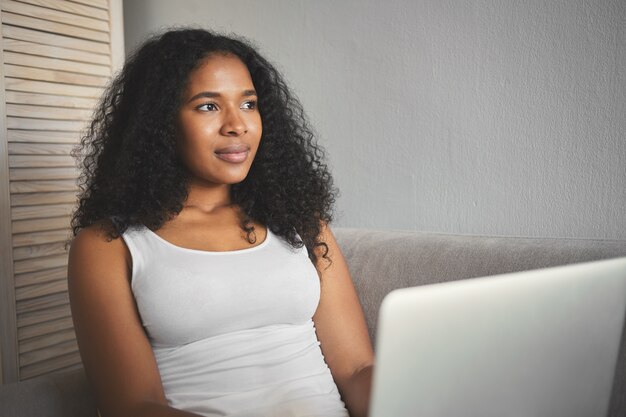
pixel 233 124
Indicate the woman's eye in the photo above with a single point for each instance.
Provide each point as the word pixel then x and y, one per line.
pixel 207 107
pixel 249 105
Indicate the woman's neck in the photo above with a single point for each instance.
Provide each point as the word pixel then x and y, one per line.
pixel 207 198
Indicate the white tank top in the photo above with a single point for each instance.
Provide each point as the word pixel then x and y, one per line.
pixel 232 332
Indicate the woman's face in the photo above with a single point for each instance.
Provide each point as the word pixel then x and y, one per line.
pixel 219 123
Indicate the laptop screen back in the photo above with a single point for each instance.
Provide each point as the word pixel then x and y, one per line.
pixel 535 343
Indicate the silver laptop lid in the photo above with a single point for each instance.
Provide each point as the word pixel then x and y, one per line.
pixel 535 343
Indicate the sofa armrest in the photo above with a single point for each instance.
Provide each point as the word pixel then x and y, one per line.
pixel 64 394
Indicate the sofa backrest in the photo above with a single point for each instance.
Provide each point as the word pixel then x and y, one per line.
pixel 381 261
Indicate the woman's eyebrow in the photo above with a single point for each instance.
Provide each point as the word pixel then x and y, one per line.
pixel 212 94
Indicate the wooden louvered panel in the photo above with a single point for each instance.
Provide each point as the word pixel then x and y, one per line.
pixel 43 315
pixel 19 33
pixel 45 275
pixel 49 352
pixel 42 302
pixel 42 186
pixel 39 290
pixel 59 363
pixel 47 112
pixel 67 6
pixel 54 27
pixel 30 86
pixel 56 58
pixel 41 329
pixel 40 161
pixel 39 149
pixel 31 48
pixel 32 199
pixel 38 212
pixel 55 64
pixel 35 99
pixel 19 174
pixel 41 342
pixel 39 238
pixel 35 225
pixel 37 251
pixel 55 348
pixel 52 15
pixel 44 124
pixel 38 136
pixel 38 74
pixel 103 4
pixel 40 264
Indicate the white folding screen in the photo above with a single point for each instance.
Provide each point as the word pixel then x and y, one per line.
pixel 57 57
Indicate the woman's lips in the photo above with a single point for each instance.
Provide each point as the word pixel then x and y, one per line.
pixel 233 153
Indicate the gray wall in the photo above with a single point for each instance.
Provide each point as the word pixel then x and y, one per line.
pixel 478 117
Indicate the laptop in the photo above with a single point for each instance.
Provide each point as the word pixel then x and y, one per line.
pixel 535 343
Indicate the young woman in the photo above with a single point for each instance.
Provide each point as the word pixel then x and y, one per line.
pixel 204 278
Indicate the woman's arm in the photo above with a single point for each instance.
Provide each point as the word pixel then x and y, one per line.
pixel 114 348
pixel 342 331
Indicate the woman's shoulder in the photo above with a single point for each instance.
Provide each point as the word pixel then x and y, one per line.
pixel 98 245
pixel 99 233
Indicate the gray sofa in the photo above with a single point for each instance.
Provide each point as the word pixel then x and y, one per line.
pixel 379 261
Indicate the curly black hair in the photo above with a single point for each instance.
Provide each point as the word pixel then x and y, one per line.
pixel 131 173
